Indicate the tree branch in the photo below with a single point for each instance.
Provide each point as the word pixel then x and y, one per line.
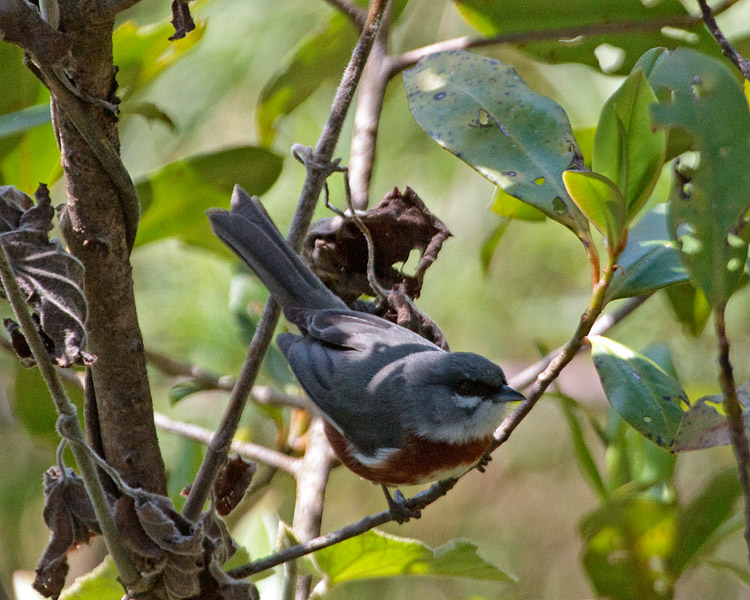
pixel 726 48
pixel 256 452
pixel 23 25
pixel 210 381
pixel 733 412
pixel 311 486
pixel 356 14
pixel 68 421
pixel 318 169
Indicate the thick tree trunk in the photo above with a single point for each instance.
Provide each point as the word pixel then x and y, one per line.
pixel 120 423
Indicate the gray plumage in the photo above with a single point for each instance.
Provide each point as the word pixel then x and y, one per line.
pixel 373 380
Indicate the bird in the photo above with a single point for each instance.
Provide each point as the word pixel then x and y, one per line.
pixel 397 409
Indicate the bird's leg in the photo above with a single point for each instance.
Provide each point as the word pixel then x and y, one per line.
pixel 483 462
pixel 397 505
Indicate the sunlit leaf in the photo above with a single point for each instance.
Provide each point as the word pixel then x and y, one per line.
pixel 507 206
pixel 175 197
pixel 377 554
pixel 481 110
pixel 514 17
pixel 319 57
pixel 700 95
pixel 99 584
pixel 647 397
pixel 601 202
pixel 626 149
pixel 690 306
pixel 649 261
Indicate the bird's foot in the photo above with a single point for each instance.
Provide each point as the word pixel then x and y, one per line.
pixel 397 505
pixel 483 462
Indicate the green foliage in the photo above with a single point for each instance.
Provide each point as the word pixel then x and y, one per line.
pixel 376 554
pixel 602 204
pixel 481 110
pixel 626 149
pixel 649 261
pixel 516 16
pixel 700 95
pixel 175 196
pixel 99 584
pixel 690 306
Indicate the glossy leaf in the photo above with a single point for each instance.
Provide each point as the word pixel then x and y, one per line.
pixel 175 197
pixel 142 53
pixel 626 148
pixel 600 201
pixel 481 110
pixel 648 398
pixel 705 424
pixel 514 17
pixel 24 119
pixel 319 58
pixel 99 584
pixel 376 554
pixel 649 261
pixel 700 95
pixel 690 306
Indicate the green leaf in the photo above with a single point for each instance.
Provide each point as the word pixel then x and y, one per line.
pixel 507 206
pixel 487 251
pixel 320 57
pixel 649 261
pixel 647 397
pixel 700 95
pixel 175 197
pixel 699 520
pixel 182 390
pixel 601 202
pixel 33 407
pixel 143 53
pixel 626 544
pixel 626 149
pixel 376 554
pixel 99 584
pixel 705 424
pixel 24 119
pixel 690 306
pixel 149 111
pixel 581 449
pixel 480 110
pixel 514 17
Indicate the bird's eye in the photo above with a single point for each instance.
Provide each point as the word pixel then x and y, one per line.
pixel 469 387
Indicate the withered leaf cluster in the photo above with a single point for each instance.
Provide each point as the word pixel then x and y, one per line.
pixel 51 278
pixel 337 252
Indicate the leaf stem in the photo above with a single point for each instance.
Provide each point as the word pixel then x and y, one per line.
pixel 68 424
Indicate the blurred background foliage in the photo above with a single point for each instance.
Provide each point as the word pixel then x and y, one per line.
pixel 224 105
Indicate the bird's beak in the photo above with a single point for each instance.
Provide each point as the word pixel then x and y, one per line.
pixel 509 395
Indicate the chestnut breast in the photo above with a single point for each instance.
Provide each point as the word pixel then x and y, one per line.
pixel 418 461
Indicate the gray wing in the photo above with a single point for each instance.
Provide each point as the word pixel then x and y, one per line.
pixel 336 362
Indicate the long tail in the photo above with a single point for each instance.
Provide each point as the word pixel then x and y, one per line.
pixel 251 235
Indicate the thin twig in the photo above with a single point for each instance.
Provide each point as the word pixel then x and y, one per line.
pixel 411 57
pixel 210 381
pixel 603 324
pixel 317 172
pixel 67 411
pixel 311 486
pixel 726 48
pixel 356 14
pixel 267 456
pixel 417 502
pixel 733 412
